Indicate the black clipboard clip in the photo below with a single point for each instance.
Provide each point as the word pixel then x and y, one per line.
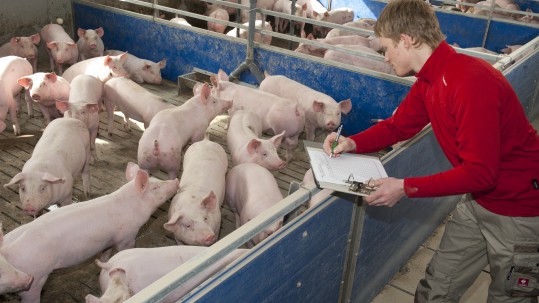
pixel 365 188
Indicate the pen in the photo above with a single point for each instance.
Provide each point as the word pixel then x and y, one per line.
pixel 336 142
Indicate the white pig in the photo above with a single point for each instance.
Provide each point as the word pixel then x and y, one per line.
pixel 220 14
pixel 194 216
pixel 180 21
pixel 24 47
pixel 321 110
pixel 338 16
pixel 360 61
pixel 45 89
pixel 61 155
pixel 319 51
pixel 84 97
pixel 11 279
pixel 75 233
pixel 360 24
pixel 133 100
pixel 246 145
pixel 141 70
pixel 250 190
pixel 60 47
pixel 130 271
pixel 277 114
pixel 11 69
pixel 258 37
pixel 90 44
pixel 103 68
pixel 161 144
pixel 285 7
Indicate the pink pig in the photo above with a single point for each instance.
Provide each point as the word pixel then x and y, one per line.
pixel 277 114
pixel 12 279
pixel 45 89
pixel 60 47
pixel 90 44
pixel 133 100
pixel 321 110
pixel 59 157
pixel 338 16
pixel 250 190
pixel 75 233
pixel 360 61
pixel 319 51
pixel 84 98
pixel 195 212
pixel 131 270
pixel 24 47
pixel 103 68
pixel 161 144
pixel 11 69
pixel 246 145
pixel 141 70
pixel 360 24
pixel 220 14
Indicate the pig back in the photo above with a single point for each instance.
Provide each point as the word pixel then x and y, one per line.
pixel 11 69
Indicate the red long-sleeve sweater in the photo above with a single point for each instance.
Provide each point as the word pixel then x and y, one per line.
pixel 481 127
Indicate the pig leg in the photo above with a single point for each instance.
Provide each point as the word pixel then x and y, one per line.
pixel 310 131
pixel 45 112
pixel 126 123
pixel 109 106
pixel 2 126
pixel 93 151
pixel 86 176
pixel 28 101
pixel 34 293
pixel 13 115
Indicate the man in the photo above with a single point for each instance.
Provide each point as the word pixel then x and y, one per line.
pixel 482 129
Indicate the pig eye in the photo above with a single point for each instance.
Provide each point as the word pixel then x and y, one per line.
pixel 205 218
pixel 42 188
pixel 22 188
pixel 265 154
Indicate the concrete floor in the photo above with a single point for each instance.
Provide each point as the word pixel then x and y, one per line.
pixel 402 287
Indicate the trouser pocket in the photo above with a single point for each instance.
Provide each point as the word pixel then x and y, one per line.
pixel 523 277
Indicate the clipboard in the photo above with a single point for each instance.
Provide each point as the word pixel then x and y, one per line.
pixel 348 173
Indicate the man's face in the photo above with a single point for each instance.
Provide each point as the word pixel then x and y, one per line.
pixel 397 55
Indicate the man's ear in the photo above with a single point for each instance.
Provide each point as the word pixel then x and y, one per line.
pixel 407 40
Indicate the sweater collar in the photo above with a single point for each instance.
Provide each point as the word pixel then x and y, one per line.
pixel 434 65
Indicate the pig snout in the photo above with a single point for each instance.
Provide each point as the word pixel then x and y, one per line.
pixel 331 125
pixel 30 210
pixel 209 240
pixel 35 97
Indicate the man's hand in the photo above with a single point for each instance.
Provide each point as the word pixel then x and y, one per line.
pixel 388 193
pixel 345 145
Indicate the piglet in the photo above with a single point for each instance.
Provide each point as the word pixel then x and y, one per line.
pixel 285 7
pixel 321 110
pixel 60 47
pixel 24 47
pixel 360 61
pixel 133 100
pixel 75 233
pixel 61 155
pixel 44 89
pixel 84 98
pixel 220 14
pixel 103 68
pixel 246 145
pixel 250 190
pixel 161 144
pixel 258 37
pixel 141 70
pixel 319 51
pixel 11 69
pixel 277 114
pixel 338 16
pixel 90 44
pixel 360 24
pixel 11 279
pixel 121 277
pixel 194 216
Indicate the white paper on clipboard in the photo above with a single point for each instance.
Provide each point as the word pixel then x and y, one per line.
pixel 333 173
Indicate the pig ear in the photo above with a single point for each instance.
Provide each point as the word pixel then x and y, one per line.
pixel 123 57
pixel 131 170
pixel 175 218
pixel 253 145
pixel 80 32
pixel 162 64
pixel 14 40
pixel 304 7
pixel 277 139
pixel 72 45
pixel 147 66
pixel 318 106
pixel 52 179
pixel 107 60
pixel 205 93
pixel 52 44
pixel 36 38
pixel 210 201
pixel 214 81
pixel 345 106
pixel 25 82
pixel 62 106
pixel 51 76
pixel 100 32
pixel 141 181
pixel 222 75
pixel 15 180
pixel 92 108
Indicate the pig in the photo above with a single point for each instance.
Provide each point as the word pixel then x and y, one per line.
pixel 141 70
pixel 245 145
pixel 44 89
pixel 277 114
pixel 336 32
pixel 84 98
pixel 59 46
pixel 11 69
pixel 24 47
pixel 321 110
pixel 285 7
pixel 72 234
pixel 90 44
pixel 161 144
pixel 319 51
pixel 103 68
pixel 250 190
pixel 133 100
pixel 180 21
pixel 258 37
pixel 12 279
pixel 510 49
pixel 61 155
pixel 121 277
pixel 529 18
pixel 194 216
pixel 338 16
pixel 360 61
pixel 220 14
